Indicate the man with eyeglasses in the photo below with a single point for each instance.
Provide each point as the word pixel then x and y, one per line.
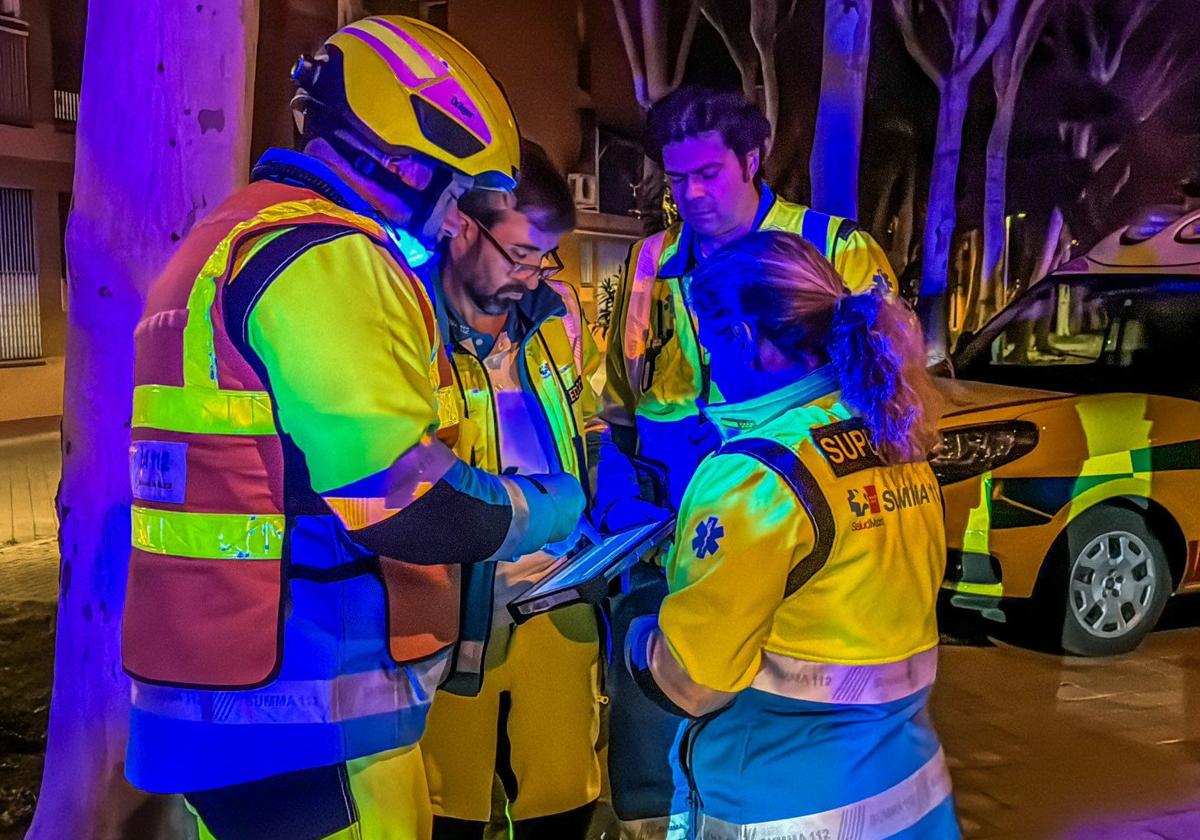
pixel 522 702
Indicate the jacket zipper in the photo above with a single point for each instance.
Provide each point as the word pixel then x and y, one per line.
pixel 686 749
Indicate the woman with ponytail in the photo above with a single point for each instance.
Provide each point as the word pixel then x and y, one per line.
pixel 799 636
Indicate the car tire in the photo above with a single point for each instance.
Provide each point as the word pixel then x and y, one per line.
pixel 1110 582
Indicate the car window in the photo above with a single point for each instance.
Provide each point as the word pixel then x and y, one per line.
pixel 1101 334
pixel 1064 325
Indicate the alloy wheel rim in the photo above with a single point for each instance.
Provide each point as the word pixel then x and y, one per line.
pixel 1112 583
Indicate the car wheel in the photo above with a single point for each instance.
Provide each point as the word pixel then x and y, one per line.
pixel 1113 582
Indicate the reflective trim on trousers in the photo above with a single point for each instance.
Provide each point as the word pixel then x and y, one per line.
pixel 346 697
pixel 874 818
pixel 208 536
pixel 823 682
pixel 678 826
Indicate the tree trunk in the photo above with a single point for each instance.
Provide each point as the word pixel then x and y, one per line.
pixel 837 142
pixel 163 135
pixel 940 216
pixel 740 46
pixel 885 207
pixel 904 245
pixel 654 49
pixel 1052 250
pixel 350 11
pixel 764 26
pixel 995 236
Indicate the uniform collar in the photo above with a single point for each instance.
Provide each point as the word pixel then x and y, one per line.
pixel 285 166
pixel 733 419
pixel 531 312
pixel 687 254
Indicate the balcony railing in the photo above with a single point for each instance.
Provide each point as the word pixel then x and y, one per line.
pixel 66 108
pixel 14 72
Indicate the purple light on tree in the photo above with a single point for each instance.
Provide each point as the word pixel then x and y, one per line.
pixel 163 136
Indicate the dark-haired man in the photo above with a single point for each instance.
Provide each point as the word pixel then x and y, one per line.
pixel 711 145
pixel 521 357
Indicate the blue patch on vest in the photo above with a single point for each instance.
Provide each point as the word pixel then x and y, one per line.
pixel 158 471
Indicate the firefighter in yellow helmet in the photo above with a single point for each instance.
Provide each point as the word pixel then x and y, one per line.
pixel 298 526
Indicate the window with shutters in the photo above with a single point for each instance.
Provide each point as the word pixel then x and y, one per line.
pixel 14 71
pixel 20 317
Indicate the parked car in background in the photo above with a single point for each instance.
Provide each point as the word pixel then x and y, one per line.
pixel 1070 463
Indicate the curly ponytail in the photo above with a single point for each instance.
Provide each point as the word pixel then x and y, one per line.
pixel 876 349
pixel 797 300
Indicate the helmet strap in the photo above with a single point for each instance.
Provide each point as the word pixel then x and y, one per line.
pixel 421 203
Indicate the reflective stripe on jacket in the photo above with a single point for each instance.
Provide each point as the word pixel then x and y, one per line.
pixel 557 359
pixel 655 367
pixel 654 361
pixel 848 552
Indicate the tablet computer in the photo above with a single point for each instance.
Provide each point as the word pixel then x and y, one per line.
pixel 584 575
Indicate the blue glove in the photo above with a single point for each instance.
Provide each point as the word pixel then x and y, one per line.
pixel 632 511
pixel 556 503
pixel 637 663
pixel 637 644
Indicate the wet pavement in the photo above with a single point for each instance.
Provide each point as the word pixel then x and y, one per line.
pixel 1063 747
pixel 1040 746
pixel 28 587
pixel 29 469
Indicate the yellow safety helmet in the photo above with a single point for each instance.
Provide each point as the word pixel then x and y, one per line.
pixel 402 85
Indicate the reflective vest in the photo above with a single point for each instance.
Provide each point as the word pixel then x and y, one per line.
pixel 553 367
pixel 233 552
pixel 556 355
pixel 656 367
pixel 829 518
pixel 830 644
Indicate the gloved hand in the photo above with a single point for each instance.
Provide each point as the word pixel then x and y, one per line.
pixel 637 644
pixel 630 512
pixel 556 503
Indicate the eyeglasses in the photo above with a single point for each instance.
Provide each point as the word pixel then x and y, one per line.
pixel 519 269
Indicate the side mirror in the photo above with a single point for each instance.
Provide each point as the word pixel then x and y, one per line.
pixel 964 338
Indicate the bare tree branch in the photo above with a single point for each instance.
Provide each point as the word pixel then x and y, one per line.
pixel 1096 47
pixel 1031 29
pixel 1064 130
pixel 944 11
pixel 744 55
pixel 1161 80
pixel 991 39
pixel 904 20
pixel 1141 11
pixel 1104 64
pixel 350 11
pixel 633 54
pixel 685 45
pixel 1008 63
pixel 764 25
pixel 1098 157
pixel 1123 180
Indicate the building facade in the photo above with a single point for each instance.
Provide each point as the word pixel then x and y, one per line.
pixel 546 55
pixel 41 62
